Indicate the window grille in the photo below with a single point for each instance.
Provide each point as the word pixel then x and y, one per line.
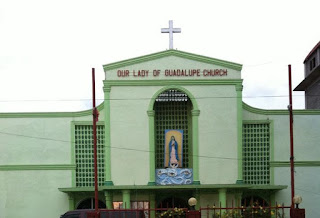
pixel 256 153
pixel 172 111
pixel 84 155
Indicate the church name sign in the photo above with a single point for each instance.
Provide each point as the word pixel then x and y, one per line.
pixel 173 73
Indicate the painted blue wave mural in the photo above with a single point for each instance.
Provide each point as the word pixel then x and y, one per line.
pixel 174 176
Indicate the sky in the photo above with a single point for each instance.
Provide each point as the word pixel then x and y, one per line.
pixel 47 48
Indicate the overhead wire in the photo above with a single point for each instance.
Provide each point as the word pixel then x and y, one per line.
pixel 315 193
pixel 113 147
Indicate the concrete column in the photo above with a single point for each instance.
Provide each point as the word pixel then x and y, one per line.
pixel 239 88
pixel 152 165
pixel 107 158
pixel 152 199
pixel 195 145
pixel 238 197
pixel 126 199
pixel 223 197
pixel 109 199
pixel 196 194
pixel 71 201
pixel 273 199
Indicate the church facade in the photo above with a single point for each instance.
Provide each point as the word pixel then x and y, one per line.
pixel 172 126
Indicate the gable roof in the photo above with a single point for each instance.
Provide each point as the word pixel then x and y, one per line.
pixel 176 53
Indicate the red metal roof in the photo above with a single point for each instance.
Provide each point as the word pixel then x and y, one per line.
pixel 311 52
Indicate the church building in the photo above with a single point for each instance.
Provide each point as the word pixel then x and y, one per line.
pixel 172 126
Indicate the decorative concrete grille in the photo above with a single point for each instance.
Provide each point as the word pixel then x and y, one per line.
pixel 84 155
pixel 172 111
pixel 256 153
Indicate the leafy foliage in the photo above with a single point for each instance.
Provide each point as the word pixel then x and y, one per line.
pixel 176 212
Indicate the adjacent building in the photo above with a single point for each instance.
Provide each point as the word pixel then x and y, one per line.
pixel 311 84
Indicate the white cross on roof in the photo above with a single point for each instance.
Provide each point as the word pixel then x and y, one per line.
pixel 170 30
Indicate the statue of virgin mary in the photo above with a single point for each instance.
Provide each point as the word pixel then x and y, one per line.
pixel 173 153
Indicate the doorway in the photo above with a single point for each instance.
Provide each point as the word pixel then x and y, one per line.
pixel 173 202
pixel 90 204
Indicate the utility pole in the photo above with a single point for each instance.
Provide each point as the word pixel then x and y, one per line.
pixel 291 139
pixel 95 119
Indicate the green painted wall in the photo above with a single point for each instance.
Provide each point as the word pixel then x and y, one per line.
pixel 130 99
pixel 306 137
pixel 217 133
pixel 36 160
pixel 306 153
pixel 213 133
pixel 36 140
pixel 171 59
pixel 306 185
pixel 33 193
pixel 130 134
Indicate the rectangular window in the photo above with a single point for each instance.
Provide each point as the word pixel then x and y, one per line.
pixel 134 205
pixel 312 63
pixel 84 155
pixel 117 205
pixel 139 205
pixel 256 153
